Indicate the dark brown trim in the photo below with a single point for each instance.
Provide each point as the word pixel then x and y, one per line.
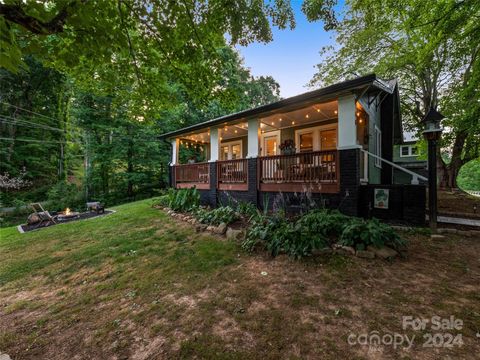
pixel 233 187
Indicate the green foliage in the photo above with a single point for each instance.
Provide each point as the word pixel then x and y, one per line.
pixel 469 176
pixel 418 42
pixel 63 195
pixel 183 199
pixel 359 234
pixel 317 229
pixel 277 234
pixel 165 37
pixel 322 223
pixel 248 210
pixel 222 214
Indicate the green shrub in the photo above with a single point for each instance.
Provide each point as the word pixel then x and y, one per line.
pixel 263 232
pixel 277 234
pixel 248 210
pixel 322 223
pixel 63 195
pixel 183 199
pixel 162 200
pixel 223 214
pixel 359 234
pixel 316 230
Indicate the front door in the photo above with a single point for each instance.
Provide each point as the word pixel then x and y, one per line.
pixel 271 143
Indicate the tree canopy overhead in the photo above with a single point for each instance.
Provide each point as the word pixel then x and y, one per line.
pixel 432 48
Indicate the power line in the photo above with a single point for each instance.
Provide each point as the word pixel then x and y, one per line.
pixel 30 111
pixel 38 141
pixel 29 124
pixel 32 125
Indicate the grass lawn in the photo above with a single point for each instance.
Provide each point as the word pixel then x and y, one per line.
pixel 138 285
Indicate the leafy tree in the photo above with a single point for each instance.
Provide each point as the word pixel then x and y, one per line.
pixel 432 48
pixel 469 176
pixel 35 136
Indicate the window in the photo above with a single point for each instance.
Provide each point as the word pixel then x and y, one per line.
pixel 328 139
pixel 378 147
pixel 316 138
pixel 231 150
pixel 236 151
pixel 306 142
pixel 408 150
pixel 271 145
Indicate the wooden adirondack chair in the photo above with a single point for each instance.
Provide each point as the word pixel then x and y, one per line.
pixel 45 218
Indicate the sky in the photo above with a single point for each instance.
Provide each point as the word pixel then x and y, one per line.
pixel 292 55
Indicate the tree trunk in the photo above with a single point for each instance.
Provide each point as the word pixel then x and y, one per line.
pixel 130 163
pixel 449 172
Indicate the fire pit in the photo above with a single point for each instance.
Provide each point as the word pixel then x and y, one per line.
pixel 68 215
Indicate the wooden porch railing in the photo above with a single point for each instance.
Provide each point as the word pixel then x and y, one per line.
pixel 232 174
pixel 188 175
pixel 319 169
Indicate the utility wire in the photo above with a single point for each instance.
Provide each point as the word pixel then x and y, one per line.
pixel 32 125
pixel 38 141
pixel 30 111
pixel 29 124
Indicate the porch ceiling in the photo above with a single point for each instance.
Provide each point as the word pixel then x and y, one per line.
pixel 280 120
pixel 325 94
pixel 306 115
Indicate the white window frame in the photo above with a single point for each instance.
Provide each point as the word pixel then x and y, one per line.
pixel 230 144
pixel 267 135
pixel 378 147
pixel 315 130
pixel 410 150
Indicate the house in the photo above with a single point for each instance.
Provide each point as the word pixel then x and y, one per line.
pixel 332 146
pixel 407 156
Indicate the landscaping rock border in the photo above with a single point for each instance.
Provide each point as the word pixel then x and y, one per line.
pixel 223 229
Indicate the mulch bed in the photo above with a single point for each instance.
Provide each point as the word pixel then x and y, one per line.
pixel 82 216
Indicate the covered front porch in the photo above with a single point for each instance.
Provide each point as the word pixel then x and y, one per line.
pixel 295 148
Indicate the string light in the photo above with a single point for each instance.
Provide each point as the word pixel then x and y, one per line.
pixel 307 116
pixel 335 112
pixel 293 122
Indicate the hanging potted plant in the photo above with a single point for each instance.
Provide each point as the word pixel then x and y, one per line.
pixel 287 147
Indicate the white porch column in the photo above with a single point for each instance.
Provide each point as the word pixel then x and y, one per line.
pixel 214 144
pixel 253 138
pixel 347 128
pixel 175 148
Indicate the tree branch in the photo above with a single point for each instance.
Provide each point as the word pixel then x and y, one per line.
pixel 15 13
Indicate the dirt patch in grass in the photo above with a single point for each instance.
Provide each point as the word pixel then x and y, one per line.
pixel 157 290
pixel 451 202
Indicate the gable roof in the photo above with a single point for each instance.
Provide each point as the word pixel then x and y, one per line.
pixel 341 88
